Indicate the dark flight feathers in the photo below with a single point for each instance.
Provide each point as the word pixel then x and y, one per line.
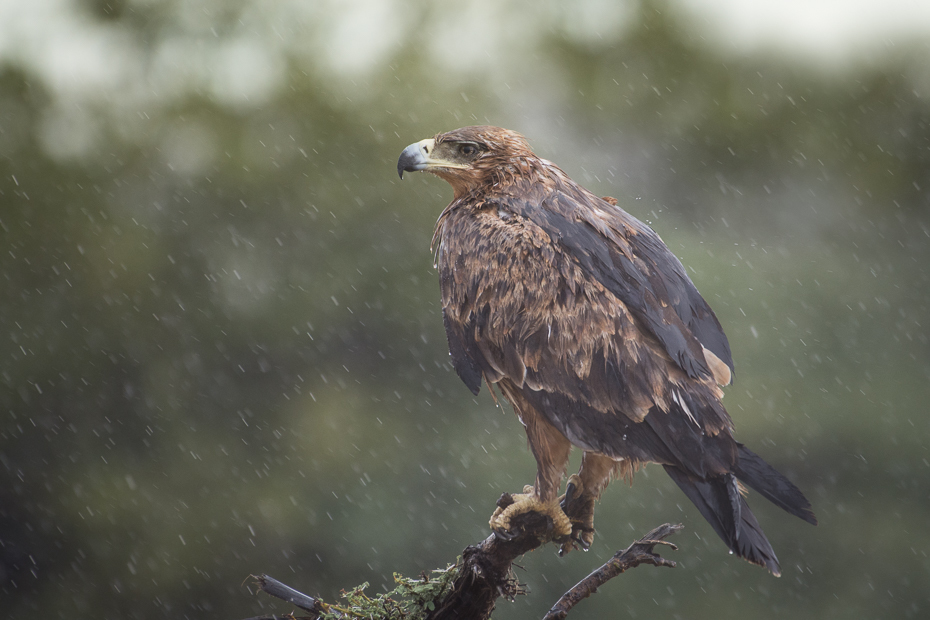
pixel 463 354
pixel 719 501
pixel 765 479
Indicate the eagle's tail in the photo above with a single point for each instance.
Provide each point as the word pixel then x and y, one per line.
pixel 764 479
pixel 720 502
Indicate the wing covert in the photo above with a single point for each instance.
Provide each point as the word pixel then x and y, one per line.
pixel 630 260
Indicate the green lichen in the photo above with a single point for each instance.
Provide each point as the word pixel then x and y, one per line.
pixel 412 599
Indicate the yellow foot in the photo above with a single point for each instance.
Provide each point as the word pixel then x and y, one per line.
pixel 505 520
pixel 579 508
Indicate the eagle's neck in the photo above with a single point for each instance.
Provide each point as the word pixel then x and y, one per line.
pixel 458 202
pixel 507 177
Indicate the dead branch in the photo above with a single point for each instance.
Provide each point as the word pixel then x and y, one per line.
pixel 270 585
pixel 640 552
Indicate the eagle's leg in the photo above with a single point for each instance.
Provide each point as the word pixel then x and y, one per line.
pixel 582 490
pixel 551 450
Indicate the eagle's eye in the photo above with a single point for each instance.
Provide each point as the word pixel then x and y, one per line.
pixel 468 150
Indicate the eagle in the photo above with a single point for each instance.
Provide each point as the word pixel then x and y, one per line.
pixel 590 328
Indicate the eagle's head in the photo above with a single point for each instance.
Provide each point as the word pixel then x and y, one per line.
pixel 468 157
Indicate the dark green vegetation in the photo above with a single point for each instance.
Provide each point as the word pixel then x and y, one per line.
pixel 224 353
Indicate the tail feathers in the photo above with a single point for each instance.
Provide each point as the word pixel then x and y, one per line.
pixel 764 479
pixel 719 501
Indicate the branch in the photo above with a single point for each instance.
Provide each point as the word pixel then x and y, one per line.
pixel 470 589
pixel 640 552
pixel 486 571
pixel 272 586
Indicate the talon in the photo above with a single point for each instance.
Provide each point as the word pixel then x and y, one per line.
pixel 505 500
pixel 574 486
pixel 507 524
pixel 585 538
pixel 579 507
pixel 504 535
pixel 569 495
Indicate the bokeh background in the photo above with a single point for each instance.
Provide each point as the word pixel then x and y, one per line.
pixel 222 345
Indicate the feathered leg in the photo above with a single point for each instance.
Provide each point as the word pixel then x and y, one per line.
pixel 551 450
pixel 583 489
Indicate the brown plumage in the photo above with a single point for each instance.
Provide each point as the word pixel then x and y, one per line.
pixel 592 330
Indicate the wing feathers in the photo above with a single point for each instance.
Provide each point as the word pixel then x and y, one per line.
pixel 571 332
pixel 463 360
pixel 630 260
pixel 579 302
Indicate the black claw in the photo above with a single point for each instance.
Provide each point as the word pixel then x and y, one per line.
pixel 578 538
pixel 505 500
pixel 569 495
pixel 506 535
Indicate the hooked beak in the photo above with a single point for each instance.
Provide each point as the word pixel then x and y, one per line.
pixel 417 157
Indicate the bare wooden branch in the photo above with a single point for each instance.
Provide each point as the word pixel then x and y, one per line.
pixel 640 552
pixel 272 586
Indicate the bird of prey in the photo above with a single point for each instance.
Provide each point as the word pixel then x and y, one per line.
pixel 589 326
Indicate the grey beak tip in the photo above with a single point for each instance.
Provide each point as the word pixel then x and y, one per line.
pixel 410 160
pixel 403 163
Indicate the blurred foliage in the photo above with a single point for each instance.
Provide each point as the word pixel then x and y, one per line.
pixel 224 348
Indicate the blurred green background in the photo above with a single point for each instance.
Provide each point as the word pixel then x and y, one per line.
pixel 223 346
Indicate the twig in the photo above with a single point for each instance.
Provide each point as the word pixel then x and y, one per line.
pixel 272 586
pixel 640 552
